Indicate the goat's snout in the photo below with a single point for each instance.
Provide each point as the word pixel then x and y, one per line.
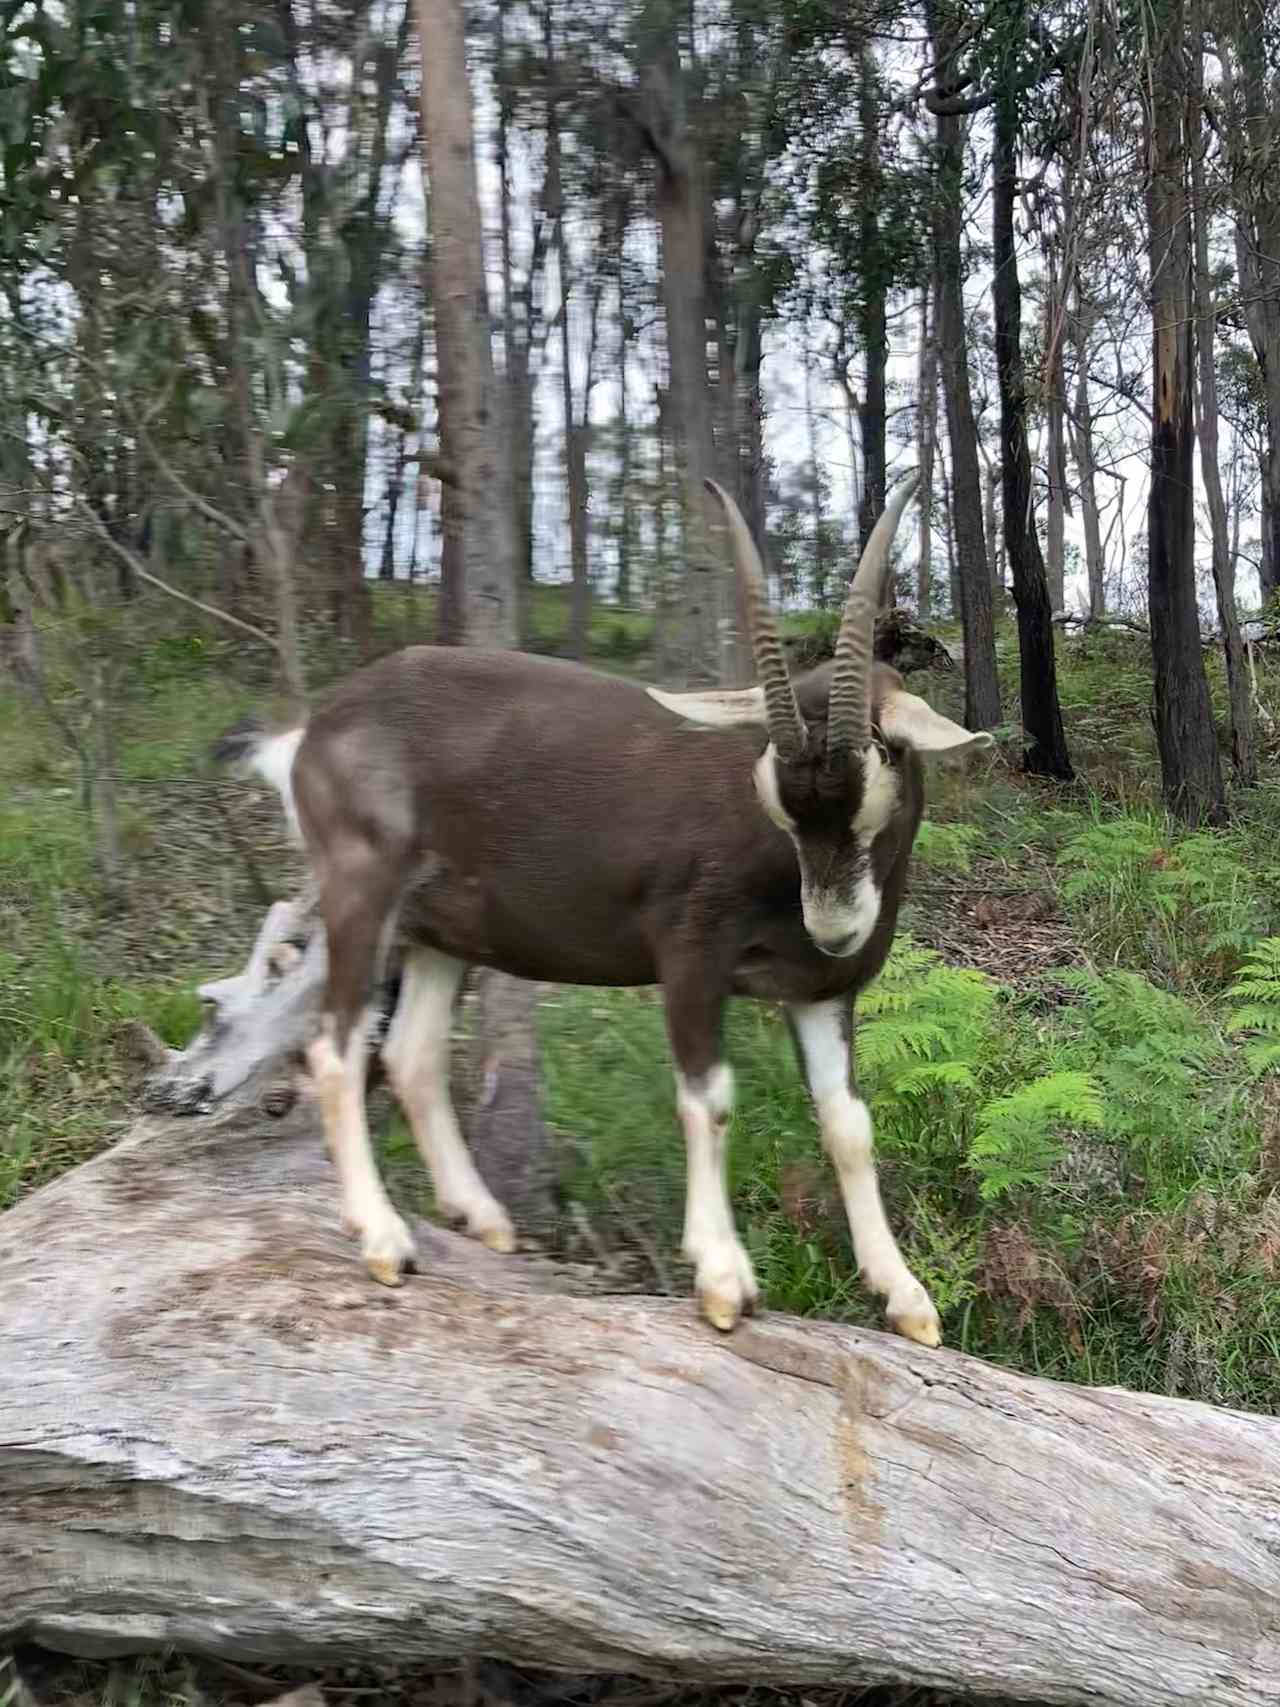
pixel 836 946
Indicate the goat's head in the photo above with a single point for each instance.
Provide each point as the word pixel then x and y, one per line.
pixel 832 774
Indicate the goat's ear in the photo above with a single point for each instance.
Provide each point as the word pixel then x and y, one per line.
pixel 716 708
pixel 907 721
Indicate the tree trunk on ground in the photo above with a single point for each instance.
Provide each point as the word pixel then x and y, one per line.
pixel 1189 765
pixel 982 684
pixel 927 436
pixel 1045 752
pixel 1243 758
pixel 235 1444
pixel 479 519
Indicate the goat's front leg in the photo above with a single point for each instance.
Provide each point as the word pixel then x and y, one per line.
pixel 724 1278
pixel 822 1034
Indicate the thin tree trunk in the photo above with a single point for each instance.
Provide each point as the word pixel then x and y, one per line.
pixel 871 311
pixel 574 438
pixel 479 521
pixel 1080 426
pixel 1189 764
pixel 1045 752
pixel 1243 758
pixel 681 204
pixel 982 683
pixel 820 592
pixel 1055 454
pixel 1253 107
pixel 622 501
pixel 927 434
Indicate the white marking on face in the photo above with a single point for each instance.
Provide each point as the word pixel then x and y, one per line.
pixel 765 777
pixel 839 926
pixel 879 798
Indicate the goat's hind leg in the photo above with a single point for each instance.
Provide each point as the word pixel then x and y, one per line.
pixel 822 1036
pixel 416 1056
pixel 356 911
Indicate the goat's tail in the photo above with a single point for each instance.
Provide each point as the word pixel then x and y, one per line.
pixel 252 749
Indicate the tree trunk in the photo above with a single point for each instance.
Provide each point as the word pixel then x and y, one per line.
pixel 1253 103
pixel 681 203
pixel 1243 758
pixel 1045 752
pixel 1055 454
pixel 623 510
pixel 1081 431
pixel 927 435
pixel 872 330
pixel 820 591
pixel 574 438
pixel 1190 769
pixel 481 555
pixel 234 1444
pixel 481 551
pixel 982 685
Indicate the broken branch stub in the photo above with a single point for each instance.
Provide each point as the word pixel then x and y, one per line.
pixel 254 1019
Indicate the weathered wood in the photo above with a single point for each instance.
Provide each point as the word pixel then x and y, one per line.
pixel 216 1433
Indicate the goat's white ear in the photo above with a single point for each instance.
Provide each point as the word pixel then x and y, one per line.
pixel 716 708
pixel 907 721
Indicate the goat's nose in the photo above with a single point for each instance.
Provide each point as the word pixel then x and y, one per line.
pixel 835 945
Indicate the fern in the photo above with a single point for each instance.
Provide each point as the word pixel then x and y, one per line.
pixel 922 1030
pixel 1259 986
pixel 1018 1142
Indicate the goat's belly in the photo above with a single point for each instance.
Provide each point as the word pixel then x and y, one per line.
pixel 565 940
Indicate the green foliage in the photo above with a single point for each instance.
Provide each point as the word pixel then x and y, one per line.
pixel 1018 1141
pixel 946 847
pixel 1186 905
pixel 1258 989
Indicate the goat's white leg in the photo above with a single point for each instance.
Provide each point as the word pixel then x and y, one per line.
pixel 725 1279
pixel 416 1056
pixel 822 1037
pixel 338 1076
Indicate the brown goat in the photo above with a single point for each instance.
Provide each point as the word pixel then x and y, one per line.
pixel 517 812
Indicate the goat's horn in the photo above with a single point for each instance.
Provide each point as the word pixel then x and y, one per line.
pixel 786 726
pixel 849 702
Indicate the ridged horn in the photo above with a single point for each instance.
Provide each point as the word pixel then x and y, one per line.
pixel 849 702
pixel 782 713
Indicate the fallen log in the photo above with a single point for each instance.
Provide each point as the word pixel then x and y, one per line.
pixel 217 1434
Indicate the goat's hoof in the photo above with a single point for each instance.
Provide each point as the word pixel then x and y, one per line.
pixel 489 1224
pixel 916 1319
pixel 388 1251
pixel 500 1236
pixel 727 1289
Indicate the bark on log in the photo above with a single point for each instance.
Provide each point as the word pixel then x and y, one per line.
pixel 216 1433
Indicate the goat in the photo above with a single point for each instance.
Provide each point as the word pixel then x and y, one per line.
pixel 533 815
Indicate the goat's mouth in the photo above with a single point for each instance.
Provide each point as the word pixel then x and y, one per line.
pixel 836 947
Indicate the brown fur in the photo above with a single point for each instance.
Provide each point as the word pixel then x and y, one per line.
pixel 556 823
